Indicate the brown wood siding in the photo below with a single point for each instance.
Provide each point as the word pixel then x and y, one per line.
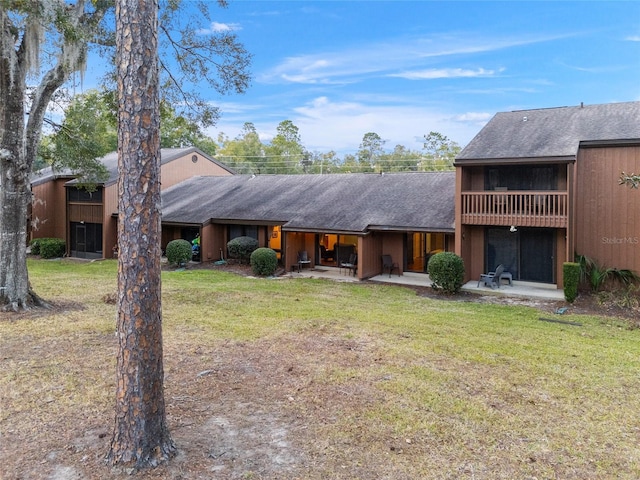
pixel 370 249
pixel 83 212
pixel 213 242
pixel 109 222
pixel 297 242
pixel 48 217
pixel 474 261
pixel 169 233
pixel 182 168
pixel 608 214
pixel 393 244
pixel 561 256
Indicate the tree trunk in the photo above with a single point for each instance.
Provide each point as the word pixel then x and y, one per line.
pixel 18 149
pixel 15 193
pixel 140 437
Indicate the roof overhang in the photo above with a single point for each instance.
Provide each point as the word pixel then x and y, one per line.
pixel 394 228
pixel 244 221
pixel 514 161
pixel 326 231
pixel 628 142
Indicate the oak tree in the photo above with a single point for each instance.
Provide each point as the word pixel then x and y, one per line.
pixel 44 44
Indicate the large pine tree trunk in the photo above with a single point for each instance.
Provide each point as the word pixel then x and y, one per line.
pixel 141 437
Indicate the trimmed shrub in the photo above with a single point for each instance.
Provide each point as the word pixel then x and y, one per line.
pixel 48 247
pixel 35 246
pixel 241 248
pixel 571 280
pixel 446 271
pixel 178 252
pixel 264 261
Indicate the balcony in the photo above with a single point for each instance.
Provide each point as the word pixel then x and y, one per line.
pixel 522 208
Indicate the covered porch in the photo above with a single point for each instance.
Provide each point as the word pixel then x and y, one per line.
pixel 540 291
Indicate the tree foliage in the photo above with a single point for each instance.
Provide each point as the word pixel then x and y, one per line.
pixel 371 149
pixel 441 151
pixel 631 180
pixel 286 154
pixel 88 132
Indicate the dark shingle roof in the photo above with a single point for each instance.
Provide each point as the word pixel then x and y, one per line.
pixel 552 132
pixel 335 202
pixel 110 161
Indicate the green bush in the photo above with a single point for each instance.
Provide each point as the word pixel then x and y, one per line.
pixel 446 271
pixel 35 246
pixel 178 252
pixel 241 248
pixel 596 276
pixel 571 280
pixel 264 261
pixel 48 247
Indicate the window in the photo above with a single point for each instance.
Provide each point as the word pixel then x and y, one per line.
pixel 75 194
pixel 236 231
pixel 522 177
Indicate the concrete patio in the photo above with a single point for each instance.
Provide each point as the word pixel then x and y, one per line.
pixel 517 289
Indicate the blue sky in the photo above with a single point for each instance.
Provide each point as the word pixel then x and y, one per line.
pixel 340 69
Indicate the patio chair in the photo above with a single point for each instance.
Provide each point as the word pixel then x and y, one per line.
pixel 351 265
pixel 389 264
pixel 303 259
pixel 492 279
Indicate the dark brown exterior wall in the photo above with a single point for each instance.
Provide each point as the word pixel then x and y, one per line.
pixel 169 233
pixel 214 242
pixel 608 214
pixel 392 244
pixel 49 217
pixel 109 222
pixel 369 251
pixel 297 242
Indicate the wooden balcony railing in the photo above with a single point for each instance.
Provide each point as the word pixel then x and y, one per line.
pixel 520 208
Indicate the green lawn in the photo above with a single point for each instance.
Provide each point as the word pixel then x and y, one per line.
pixel 370 381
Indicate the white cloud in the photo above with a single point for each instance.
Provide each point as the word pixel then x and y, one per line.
pixel 327 125
pixel 340 126
pixel 435 73
pixel 633 38
pixel 399 54
pixel 217 27
pixel 473 117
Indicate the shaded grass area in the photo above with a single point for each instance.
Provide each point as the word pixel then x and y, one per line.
pixel 302 378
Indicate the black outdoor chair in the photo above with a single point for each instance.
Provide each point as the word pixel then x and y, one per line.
pixel 492 279
pixel 389 265
pixel 351 265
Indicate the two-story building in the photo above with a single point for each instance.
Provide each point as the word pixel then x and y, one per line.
pixel 537 187
pixel 87 220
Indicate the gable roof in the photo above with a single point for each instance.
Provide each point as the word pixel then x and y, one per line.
pixel 110 161
pixel 552 133
pixel 351 203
